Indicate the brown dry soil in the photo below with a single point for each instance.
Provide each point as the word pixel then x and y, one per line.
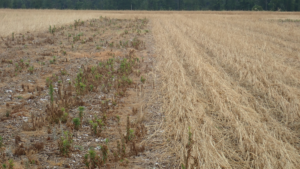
pixel 97 64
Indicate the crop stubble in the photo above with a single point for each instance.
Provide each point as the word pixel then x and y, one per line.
pixel 234 80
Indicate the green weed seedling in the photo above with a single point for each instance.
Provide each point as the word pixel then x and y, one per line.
pixel 63 72
pixel 91 87
pixel 81 109
pixel 1 142
pixel 119 119
pixel 65 144
pixel 111 44
pixel 86 160
pixel 92 155
pixel 11 164
pixel 31 69
pixel 65 115
pixel 17 67
pixel 7 113
pixel 48 81
pixel 143 79
pixel 93 69
pixel 76 122
pixel 94 127
pixel 51 91
pixel 53 30
pixel 82 87
pixel 104 150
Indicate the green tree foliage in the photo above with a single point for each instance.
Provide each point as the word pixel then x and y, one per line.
pixel 274 5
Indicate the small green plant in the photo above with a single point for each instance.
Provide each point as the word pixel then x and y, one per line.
pixel 51 91
pixel 1 142
pixel 81 109
pixel 126 31
pixel 91 87
pixel 31 69
pixel 104 150
pixel 94 127
pixel 53 30
pixel 27 165
pixel 53 60
pixel 17 67
pixel 97 76
pixel 50 30
pixel 79 147
pixel 11 164
pixel 93 69
pixel 100 123
pixel 48 81
pixel 143 79
pixel 118 118
pixel 131 134
pixel 65 144
pixel 64 117
pixel 86 160
pixel 136 43
pixel 4 166
pixel 7 113
pixel 76 122
pixel 98 48
pixel 92 155
pixel 111 44
pixel 63 72
pixel 82 87
pixel 20 97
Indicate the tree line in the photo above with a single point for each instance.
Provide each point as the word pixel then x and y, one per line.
pixel 273 5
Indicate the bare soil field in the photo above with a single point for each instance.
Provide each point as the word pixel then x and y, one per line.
pixel 142 89
pixel 70 93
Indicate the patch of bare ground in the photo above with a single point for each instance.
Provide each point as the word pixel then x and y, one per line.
pixel 78 95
